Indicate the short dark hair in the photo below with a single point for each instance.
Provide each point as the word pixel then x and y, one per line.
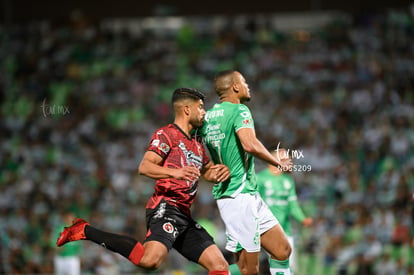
pixel 187 93
pixel 225 73
pixel 219 84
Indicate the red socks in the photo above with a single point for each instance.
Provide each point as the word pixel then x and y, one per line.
pixel 219 272
pixel 136 253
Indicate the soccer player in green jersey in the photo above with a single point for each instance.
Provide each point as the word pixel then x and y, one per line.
pixel 230 137
pixel 67 259
pixel 277 188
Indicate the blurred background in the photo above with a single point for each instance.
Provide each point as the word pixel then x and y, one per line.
pixel 83 84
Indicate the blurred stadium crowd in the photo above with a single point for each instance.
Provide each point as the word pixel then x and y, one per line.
pixel 79 102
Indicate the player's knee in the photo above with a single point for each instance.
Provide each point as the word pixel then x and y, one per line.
pixel 288 251
pixel 214 263
pixel 250 270
pixel 220 265
pixel 150 263
pixel 284 252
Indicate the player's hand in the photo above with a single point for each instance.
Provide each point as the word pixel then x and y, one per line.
pixel 307 222
pixel 221 172
pixel 285 162
pixel 189 173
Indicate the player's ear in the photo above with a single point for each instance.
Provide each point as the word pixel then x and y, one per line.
pixel 235 87
pixel 187 109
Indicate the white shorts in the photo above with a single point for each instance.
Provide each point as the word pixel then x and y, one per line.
pixel 292 258
pixel 246 217
pixel 69 265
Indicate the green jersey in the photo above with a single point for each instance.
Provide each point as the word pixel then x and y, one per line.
pixel 219 132
pixel 279 193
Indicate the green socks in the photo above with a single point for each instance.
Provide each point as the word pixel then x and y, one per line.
pixel 276 268
pixel 234 269
pixel 279 267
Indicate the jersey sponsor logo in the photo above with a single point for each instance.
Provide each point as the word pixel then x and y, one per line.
pixel 213 127
pixel 247 118
pixel 213 114
pixel 217 137
pixel 279 203
pixel 193 187
pixel 213 133
pixel 168 227
pixel 191 158
pixel 164 148
pixel 161 211
pixel 245 114
pixel 155 142
pixel 194 160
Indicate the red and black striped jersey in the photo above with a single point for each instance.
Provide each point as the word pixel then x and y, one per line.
pixel 177 150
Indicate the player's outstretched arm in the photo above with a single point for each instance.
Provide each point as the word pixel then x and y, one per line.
pixel 215 172
pixel 252 145
pixel 151 167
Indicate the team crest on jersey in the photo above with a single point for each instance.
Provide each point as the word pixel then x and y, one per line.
pixel 168 227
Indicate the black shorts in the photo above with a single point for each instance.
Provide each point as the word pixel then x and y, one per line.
pixel 168 225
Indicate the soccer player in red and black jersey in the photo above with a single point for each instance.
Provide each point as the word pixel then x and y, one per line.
pixel 175 159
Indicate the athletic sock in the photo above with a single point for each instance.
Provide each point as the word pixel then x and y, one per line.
pixel 279 267
pixel 219 272
pixel 124 245
pixel 234 269
pixel 136 253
